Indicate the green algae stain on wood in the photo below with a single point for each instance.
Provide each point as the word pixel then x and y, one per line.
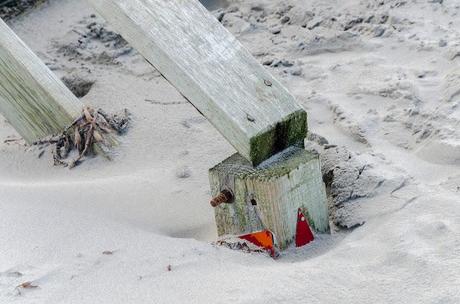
pixel 269 196
pixel 284 134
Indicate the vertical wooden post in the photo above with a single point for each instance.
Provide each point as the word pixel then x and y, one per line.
pixel 33 100
pixel 269 196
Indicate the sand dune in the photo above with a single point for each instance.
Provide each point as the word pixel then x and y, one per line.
pixel 380 81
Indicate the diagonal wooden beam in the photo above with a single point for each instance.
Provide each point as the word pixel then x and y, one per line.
pixel 208 65
pixel 33 100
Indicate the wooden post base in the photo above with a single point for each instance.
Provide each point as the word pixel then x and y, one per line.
pixel 269 196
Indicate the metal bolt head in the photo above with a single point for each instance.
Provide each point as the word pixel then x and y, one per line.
pixel 225 196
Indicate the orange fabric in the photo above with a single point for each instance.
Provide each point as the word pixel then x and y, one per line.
pixel 263 239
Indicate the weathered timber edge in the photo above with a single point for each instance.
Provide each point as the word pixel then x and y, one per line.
pixel 284 134
pixel 33 100
pixel 279 165
pixel 213 70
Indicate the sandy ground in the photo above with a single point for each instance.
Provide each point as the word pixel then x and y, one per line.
pixel 381 83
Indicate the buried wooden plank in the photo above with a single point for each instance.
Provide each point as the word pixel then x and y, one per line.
pixel 33 100
pixel 208 65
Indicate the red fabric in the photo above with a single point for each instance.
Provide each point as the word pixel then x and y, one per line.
pixel 303 231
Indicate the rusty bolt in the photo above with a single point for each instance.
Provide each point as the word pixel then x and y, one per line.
pixel 224 196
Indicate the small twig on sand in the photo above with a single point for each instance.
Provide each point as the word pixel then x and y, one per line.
pixel 11 140
pixel 162 103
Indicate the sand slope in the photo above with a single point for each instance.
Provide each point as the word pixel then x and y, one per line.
pixel 381 83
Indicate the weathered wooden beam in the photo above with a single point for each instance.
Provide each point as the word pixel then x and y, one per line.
pixel 269 196
pixel 33 100
pixel 208 65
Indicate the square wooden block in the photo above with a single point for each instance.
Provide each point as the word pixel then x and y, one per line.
pixel 269 196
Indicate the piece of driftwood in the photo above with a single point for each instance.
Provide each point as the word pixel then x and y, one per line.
pixel 269 196
pixel 208 65
pixel 33 100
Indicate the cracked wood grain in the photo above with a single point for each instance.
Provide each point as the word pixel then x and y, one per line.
pixel 212 69
pixel 33 100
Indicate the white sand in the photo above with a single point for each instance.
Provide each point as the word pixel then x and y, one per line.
pixel 386 91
